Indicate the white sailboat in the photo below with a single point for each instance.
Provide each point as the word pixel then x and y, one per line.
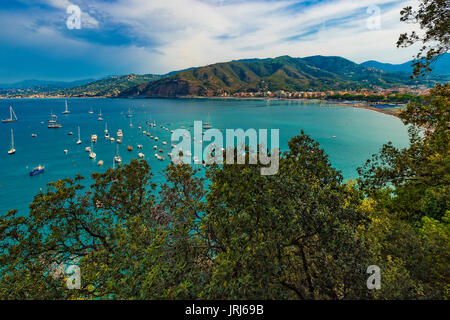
pixel 91 111
pixel 79 139
pixel 117 158
pixel 12 116
pixel 100 116
pixel 92 154
pixel 129 114
pixel 131 124
pixel 12 150
pixel 207 124
pixel 66 111
pixel 106 130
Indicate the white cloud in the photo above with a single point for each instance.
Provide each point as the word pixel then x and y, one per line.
pixel 198 32
pixel 193 32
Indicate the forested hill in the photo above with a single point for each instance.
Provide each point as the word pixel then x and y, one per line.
pixel 282 73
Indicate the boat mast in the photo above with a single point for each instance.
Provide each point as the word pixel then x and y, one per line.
pixel 11 112
pixel 12 139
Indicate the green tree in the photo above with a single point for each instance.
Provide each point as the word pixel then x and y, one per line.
pixel 433 17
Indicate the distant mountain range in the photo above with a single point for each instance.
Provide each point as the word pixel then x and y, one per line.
pixel 441 67
pixel 317 73
pixel 44 84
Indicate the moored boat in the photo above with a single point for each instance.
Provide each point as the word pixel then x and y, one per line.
pixel 12 150
pixel 66 111
pixel 79 140
pixel 12 116
pixel 39 169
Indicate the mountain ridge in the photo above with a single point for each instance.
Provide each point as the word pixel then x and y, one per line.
pixel 441 67
pixel 281 73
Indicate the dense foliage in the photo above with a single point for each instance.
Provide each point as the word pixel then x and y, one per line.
pixel 303 233
pixel 433 18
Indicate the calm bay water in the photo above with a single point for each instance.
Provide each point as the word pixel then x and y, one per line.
pixel 359 133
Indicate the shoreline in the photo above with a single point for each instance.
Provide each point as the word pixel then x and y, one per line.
pixel 356 104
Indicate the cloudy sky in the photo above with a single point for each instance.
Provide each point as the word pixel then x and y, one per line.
pixel 158 36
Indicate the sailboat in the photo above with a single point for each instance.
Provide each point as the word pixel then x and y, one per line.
pixel 131 124
pixel 79 140
pixel 92 154
pixel 91 111
pixel 100 116
pixel 117 158
pixel 52 123
pixel 106 131
pixel 12 116
pixel 129 114
pixel 66 111
pixel 207 124
pixel 12 150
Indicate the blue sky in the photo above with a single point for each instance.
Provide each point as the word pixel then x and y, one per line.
pixel 158 36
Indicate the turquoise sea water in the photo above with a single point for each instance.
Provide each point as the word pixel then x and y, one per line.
pixel 359 133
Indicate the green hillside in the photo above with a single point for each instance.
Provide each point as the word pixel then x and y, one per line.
pixel 109 87
pixel 282 73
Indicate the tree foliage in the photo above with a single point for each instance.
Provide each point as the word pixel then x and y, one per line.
pixel 433 17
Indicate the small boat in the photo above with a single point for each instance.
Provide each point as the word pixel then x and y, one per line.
pixel 66 151
pixel 119 141
pixel 12 116
pixel 131 124
pixel 100 116
pixel 34 135
pixel 111 139
pixel 37 170
pixel 100 163
pixel 334 137
pixel 66 111
pixel 92 154
pixel 119 133
pixel 130 148
pixel 106 130
pixel 117 158
pixel 144 132
pixel 91 111
pixel 12 150
pixel 94 138
pixel 53 122
pixel 207 124
pixel 164 143
pixel 148 134
pixel 155 147
pixel 156 138
pixel 139 127
pixel 141 155
pixel 70 133
pixel 160 150
pixel 87 149
pixel 139 146
pixel 79 140
pixel 129 114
